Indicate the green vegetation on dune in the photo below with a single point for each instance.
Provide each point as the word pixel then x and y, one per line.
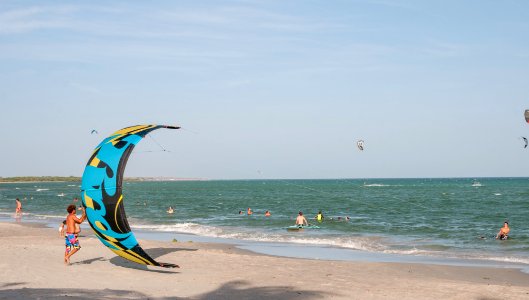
pixel 65 179
pixel 40 179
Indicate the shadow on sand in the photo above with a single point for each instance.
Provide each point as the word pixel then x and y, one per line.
pixel 230 290
pixel 154 253
pixel 88 261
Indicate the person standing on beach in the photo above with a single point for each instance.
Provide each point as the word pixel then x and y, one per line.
pixel 62 228
pixel 503 234
pixel 300 220
pixel 18 210
pixel 71 238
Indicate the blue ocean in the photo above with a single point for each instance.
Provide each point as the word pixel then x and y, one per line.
pixel 440 218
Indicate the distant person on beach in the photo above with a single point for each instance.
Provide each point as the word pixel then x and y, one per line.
pixel 62 228
pixel 170 210
pixel 319 217
pixel 267 214
pixel 503 234
pixel 72 231
pixel 300 220
pixel 18 210
pixel 249 211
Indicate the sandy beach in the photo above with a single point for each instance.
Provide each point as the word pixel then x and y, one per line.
pixel 31 260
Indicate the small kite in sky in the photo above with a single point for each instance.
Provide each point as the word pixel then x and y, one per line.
pixel 360 145
pixel 525 141
pixel 94 131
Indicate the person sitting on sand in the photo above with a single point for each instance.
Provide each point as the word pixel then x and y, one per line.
pixel 503 234
pixel 170 210
pixel 267 214
pixel 300 220
pixel 72 231
pixel 18 210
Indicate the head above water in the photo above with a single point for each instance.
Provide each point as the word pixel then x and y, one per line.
pixel 300 213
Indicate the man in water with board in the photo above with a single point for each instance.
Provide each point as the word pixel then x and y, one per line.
pixel 72 231
pixel 300 220
pixel 503 234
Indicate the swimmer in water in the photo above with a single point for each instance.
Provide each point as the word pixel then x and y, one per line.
pixel 503 234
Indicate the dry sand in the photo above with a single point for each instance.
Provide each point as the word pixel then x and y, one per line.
pixel 31 264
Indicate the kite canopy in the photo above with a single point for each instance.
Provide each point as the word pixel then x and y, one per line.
pixel 526 114
pixel 526 142
pixel 101 192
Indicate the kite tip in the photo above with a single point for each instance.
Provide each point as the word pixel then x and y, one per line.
pixel 167 265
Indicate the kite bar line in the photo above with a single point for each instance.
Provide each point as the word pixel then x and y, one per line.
pixel 159 145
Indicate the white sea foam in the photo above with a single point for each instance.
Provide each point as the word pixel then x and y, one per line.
pixel 40 190
pixel 369 244
pixel 375 184
pixel 357 243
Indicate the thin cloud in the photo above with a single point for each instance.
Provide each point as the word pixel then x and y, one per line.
pixel 34 18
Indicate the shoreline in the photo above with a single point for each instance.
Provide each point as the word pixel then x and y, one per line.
pixel 296 250
pixel 221 271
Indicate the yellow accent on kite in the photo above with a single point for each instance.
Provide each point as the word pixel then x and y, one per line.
pixel 100 225
pixel 116 212
pixel 126 131
pixel 129 256
pixel 109 239
pixel 94 162
pixel 88 201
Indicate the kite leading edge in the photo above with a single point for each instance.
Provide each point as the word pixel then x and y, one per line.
pixel 101 192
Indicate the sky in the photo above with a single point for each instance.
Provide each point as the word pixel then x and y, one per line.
pixel 268 89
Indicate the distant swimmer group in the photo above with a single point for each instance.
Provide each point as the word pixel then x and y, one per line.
pixel 249 212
